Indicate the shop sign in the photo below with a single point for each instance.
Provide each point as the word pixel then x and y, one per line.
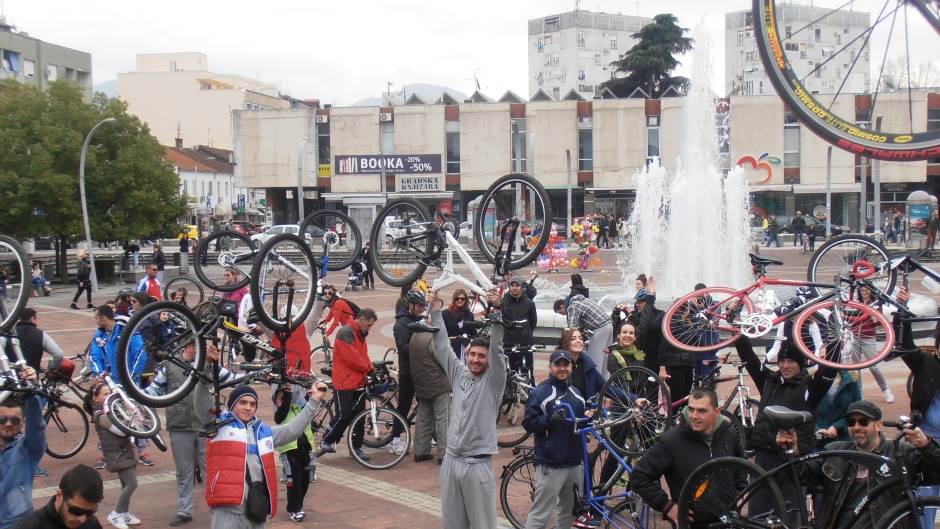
pixel 325 170
pixel 389 163
pixel 419 183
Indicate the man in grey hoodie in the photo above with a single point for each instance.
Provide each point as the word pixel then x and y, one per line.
pixel 468 485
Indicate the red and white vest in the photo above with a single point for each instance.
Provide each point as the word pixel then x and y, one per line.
pixel 227 460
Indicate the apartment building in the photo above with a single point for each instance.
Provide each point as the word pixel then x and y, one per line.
pixel 35 62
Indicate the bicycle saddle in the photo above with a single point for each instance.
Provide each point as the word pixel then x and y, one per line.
pixel 379 363
pixel 758 260
pixel 783 418
pixel 421 326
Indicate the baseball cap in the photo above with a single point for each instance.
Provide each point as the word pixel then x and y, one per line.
pixel 561 354
pixel 866 408
pixel 516 280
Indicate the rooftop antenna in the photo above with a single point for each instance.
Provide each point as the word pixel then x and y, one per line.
pixel 388 89
pixel 476 80
pixel 577 5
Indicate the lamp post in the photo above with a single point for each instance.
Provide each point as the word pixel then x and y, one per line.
pixel 81 189
pixel 300 179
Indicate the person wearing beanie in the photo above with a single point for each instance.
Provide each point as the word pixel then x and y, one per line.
pixel 242 483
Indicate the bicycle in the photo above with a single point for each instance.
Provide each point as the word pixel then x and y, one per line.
pixel 192 293
pixel 838 255
pixel 15 281
pixel 509 430
pixel 845 334
pixel 707 492
pixel 901 143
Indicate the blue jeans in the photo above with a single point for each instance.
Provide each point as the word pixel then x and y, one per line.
pixel 927 519
pixel 771 239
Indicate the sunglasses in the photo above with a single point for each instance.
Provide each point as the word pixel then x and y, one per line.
pixel 864 421
pixel 15 421
pixel 77 511
pixel 461 299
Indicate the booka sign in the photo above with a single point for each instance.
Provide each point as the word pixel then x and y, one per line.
pixel 390 163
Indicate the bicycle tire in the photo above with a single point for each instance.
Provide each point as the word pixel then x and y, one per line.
pixel 907 146
pixel 387 424
pixel 520 470
pixel 900 515
pixel 139 422
pixel 310 221
pixel 15 259
pixel 509 430
pixel 539 192
pixel 638 515
pixel 158 441
pixel 211 273
pixel 618 479
pixel 191 285
pixel 269 262
pixel 322 419
pixel 720 501
pixel 864 322
pixel 909 385
pixel 183 330
pixel 693 334
pixel 55 423
pixel 633 437
pixel 379 239
pixel 823 270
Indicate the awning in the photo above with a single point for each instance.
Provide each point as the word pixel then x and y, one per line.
pixel 624 190
pixel 757 188
pixel 427 195
pixel 821 188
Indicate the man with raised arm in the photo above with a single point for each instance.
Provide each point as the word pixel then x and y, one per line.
pixel 468 485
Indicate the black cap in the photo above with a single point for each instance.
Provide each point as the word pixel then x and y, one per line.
pixel 866 408
pixel 516 280
pixel 561 354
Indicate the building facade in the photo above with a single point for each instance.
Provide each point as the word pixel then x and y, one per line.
pixel 813 39
pixel 468 146
pixel 34 62
pixel 177 96
pixel 573 50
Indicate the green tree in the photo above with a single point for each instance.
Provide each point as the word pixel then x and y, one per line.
pixel 132 191
pixel 650 63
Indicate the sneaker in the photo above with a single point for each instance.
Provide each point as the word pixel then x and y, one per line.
pixel 296 516
pixel 889 397
pixel 117 520
pixel 74 306
pixel 361 455
pixel 130 519
pixel 313 473
pixel 326 448
pixel 396 447
pixel 41 472
pixel 99 464
pixel 586 521
pixel 180 520
pixel 145 461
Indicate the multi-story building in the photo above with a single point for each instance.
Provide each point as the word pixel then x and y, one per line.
pixel 812 35
pixel 464 147
pixel 177 96
pixel 35 62
pixel 573 51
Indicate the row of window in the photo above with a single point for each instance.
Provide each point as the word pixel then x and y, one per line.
pixel 12 61
pixel 562 40
pixel 200 188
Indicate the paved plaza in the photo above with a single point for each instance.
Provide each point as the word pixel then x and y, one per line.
pixel 346 495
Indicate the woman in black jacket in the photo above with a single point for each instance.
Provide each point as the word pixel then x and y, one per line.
pixel 84 280
pixel 454 318
pixel 160 260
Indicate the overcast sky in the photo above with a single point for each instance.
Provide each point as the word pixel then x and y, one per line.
pixel 339 51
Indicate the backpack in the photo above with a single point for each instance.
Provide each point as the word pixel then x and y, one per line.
pixel 353 307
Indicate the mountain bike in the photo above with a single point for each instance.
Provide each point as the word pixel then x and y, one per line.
pixel 509 430
pixel 335 233
pixel 15 281
pixel 903 138
pixel 838 255
pixel 845 334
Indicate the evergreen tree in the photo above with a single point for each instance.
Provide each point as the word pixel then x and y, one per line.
pixel 650 63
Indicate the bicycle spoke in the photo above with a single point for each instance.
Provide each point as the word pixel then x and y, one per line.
pixel 401 240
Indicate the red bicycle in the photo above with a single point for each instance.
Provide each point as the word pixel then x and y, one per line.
pixel 831 330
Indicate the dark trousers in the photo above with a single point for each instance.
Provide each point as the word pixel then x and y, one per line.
pixel 369 277
pixel 406 397
pixel 792 492
pixel 680 381
pixel 299 461
pixel 348 405
pixel 86 286
pixel 520 361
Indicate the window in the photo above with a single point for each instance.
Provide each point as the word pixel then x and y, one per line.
pixel 791 46
pixel 838 38
pixel 29 68
pixel 185 187
pixel 586 88
pixel 613 43
pixel 551 24
pixel 323 143
pixel 453 147
pixel 518 144
pixel 387 131
pixel 791 141
pixel 740 38
pixel 817 35
pixel 580 39
pixel 556 92
pixel 761 87
pixel 748 19
pixel 789 30
pixel 563 40
pixel 52 72
pixel 11 61
pixel 652 137
pixel 585 149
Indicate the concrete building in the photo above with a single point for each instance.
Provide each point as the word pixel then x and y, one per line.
pixel 35 62
pixel 177 96
pixel 573 50
pixel 467 146
pixel 810 39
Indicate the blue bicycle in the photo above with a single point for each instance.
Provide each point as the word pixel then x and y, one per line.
pixel 609 502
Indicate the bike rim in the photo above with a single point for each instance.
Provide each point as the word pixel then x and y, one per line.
pixel 285 282
pixel 517 489
pixel 16 291
pixel 398 245
pixel 820 107
pixel 515 198
pixel 227 251
pixel 704 320
pixel 138 419
pixel 863 338
pixel 377 430
pixel 837 257
pixel 184 290
pixel 66 432
pixel 333 237
pixel 646 423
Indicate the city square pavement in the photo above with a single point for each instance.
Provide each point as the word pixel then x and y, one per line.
pixel 345 495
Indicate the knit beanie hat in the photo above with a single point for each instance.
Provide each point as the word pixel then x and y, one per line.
pixel 238 393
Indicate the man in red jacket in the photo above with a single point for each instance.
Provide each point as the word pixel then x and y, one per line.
pixel 351 365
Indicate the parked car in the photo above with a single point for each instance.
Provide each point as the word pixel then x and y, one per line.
pixel 396 228
pixel 246 228
pixel 260 238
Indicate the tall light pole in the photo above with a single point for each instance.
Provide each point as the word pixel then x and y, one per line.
pixel 300 180
pixel 81 189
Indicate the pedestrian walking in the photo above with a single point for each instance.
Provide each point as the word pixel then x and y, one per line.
pixel 160 260
pixel 84 280
pixel 773 229
pixel 366 257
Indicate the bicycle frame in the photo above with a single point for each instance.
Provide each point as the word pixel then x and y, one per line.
pixel 7 369
pixel 449 277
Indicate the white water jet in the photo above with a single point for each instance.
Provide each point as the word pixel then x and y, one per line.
pixel 691 226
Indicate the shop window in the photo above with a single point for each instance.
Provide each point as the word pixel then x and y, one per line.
pixel 791 141
pixel 652 138
pixel 585 149
pixel 453 147
pixel 518 139
pixel 323 143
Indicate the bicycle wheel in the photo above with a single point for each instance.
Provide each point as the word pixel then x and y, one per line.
pixel 14 290
pixel 909 385
pixel 168 334
pixel 333 235
pixel 902 516
pixel 66 429
pixel 642 424
pixel 858 337
pixel 517 489
pixel 377 427
pixel 220 252
pixel 837 256
pixel 724 489
pixel 509 430
pixel 608 477
pixel 131 418
pixel 632 513
pixel 401 243
pixel 514 196
pixel 322 418
pixel 902 139
pixel 83 379
pixel 159 442
pixel 185 290
pixel 283 282
pixel 707 319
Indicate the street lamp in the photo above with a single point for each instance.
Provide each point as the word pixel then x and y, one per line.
pixel 81 188
pixel 300 180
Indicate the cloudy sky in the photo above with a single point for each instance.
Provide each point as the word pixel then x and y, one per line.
pixel 339 51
